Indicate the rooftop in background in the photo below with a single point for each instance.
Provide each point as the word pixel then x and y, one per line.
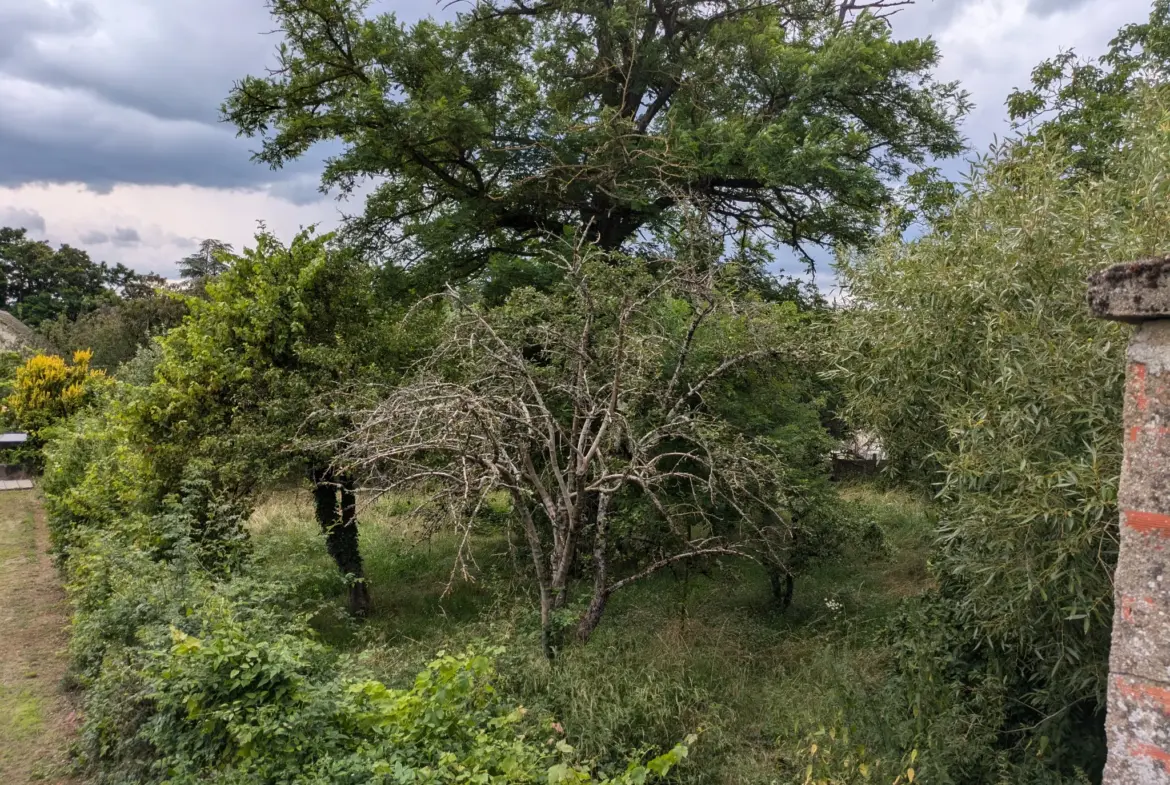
pixel 16 335
pixel 7 439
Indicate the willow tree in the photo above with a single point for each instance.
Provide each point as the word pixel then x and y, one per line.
pixel 522 119
pixel 973 355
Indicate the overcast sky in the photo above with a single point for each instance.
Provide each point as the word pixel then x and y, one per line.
pixel 109 132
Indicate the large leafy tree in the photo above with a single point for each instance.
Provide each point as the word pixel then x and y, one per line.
pixel 38 283
pixel 973 355
pixel 239 378
pixel 1084 103
pixel 518 120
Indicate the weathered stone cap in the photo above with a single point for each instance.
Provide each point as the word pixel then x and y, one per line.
pixel 1132 292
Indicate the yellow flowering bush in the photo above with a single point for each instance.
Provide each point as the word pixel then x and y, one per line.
pixel 48 389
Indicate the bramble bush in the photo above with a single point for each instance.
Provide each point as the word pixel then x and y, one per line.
pixel 200 667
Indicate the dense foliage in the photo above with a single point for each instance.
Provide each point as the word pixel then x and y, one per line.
pixel 235 381
pixel 1085 105
pixel 115 331
pixel 518 121
pixel 195 672
pixel 38 283
pixel 974 356
pixel 9 363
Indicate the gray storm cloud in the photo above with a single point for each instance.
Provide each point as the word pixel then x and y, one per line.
pixel 128 91
pixel 19 218
pixel 1044 8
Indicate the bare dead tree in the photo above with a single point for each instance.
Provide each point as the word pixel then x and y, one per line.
pixel 570 400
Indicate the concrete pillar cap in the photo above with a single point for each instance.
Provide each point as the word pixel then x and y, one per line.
pixel 1133 292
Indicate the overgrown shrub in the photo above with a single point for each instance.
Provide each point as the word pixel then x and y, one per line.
pixel 972 353
pixel 197 668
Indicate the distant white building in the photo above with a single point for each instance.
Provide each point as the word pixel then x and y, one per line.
pixel 860 455
pixel 861 446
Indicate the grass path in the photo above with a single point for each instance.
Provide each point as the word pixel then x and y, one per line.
pixel 36 716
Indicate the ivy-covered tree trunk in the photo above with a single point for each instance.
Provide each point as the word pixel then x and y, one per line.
pixel 339 524
pixel 783 586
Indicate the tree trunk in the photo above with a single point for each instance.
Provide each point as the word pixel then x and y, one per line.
pixel 592 616
pixel 348 555
pixel 520 504
pixel 783 585
pixel 339 524
pixel 546 631
pixel 582 547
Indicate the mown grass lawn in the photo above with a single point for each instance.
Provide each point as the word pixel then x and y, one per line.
pixel 36 719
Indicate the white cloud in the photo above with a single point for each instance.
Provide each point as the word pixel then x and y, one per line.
pixel 991 46
pixel 21 218
pixel 167 220
pixel 121 237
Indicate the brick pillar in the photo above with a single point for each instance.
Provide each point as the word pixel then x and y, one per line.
pixel 1138 721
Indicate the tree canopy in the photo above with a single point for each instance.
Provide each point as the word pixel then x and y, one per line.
pixel 1086 103
pixel 235 380
pixel 520 120
pixel 207 262
pixel 115 331
pixel 38 283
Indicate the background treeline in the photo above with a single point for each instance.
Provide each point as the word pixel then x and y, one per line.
pixel 553 350
pixel 75 303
